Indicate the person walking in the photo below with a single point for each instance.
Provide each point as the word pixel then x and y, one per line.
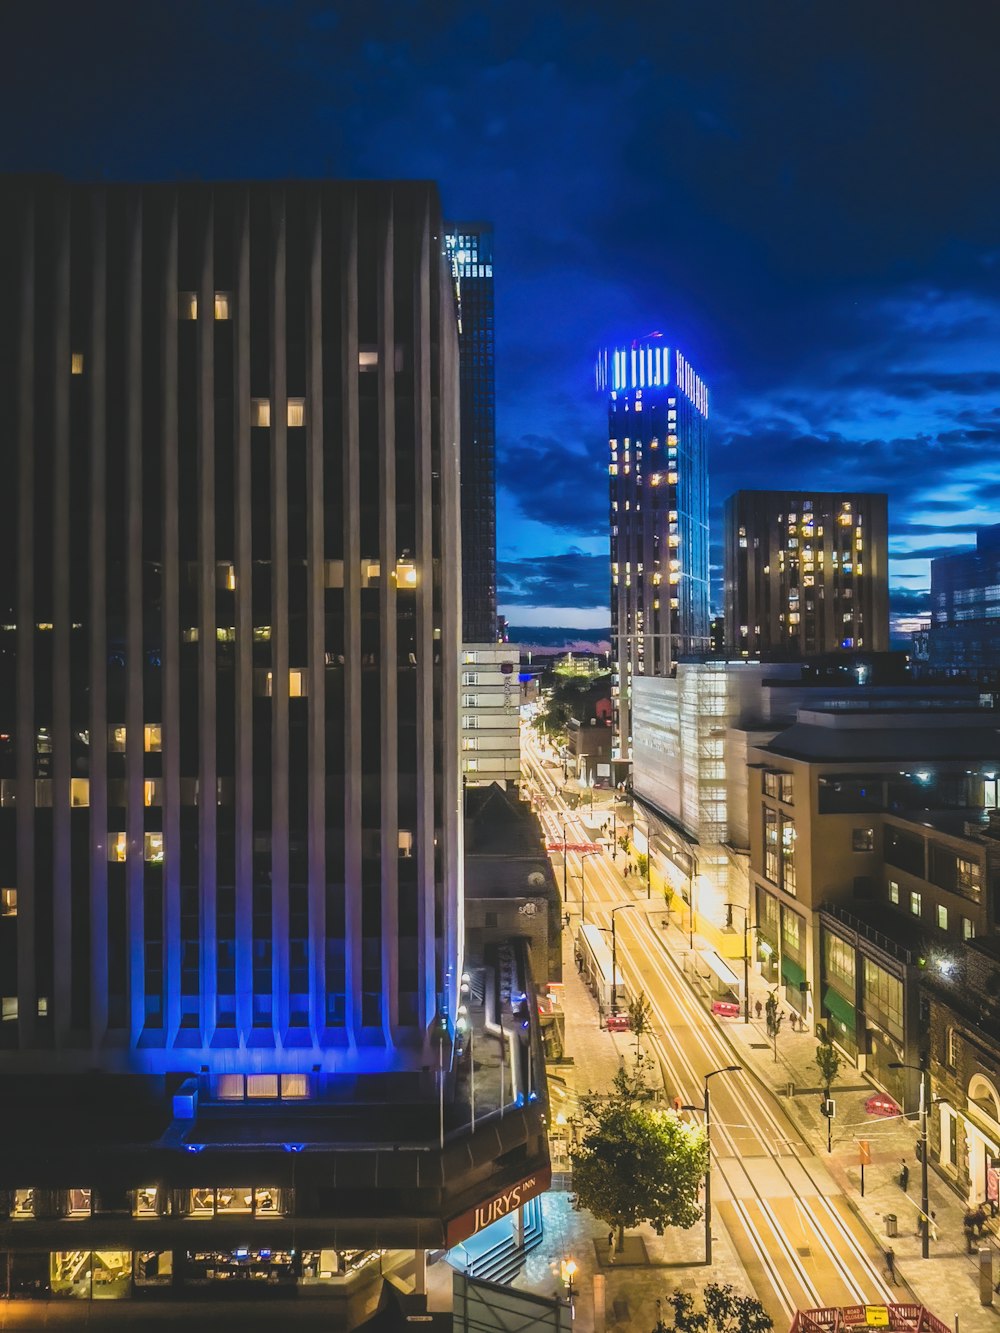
pixel 890 1264
pixel 759 1008
pixel 904 1175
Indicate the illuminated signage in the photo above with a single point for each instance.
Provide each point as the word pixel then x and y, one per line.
pixel 497 1206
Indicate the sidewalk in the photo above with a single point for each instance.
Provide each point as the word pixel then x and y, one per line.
pixel 947 1282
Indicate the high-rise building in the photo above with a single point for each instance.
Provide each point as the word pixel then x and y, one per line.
pixel 231 603
pixel 963 638
pixel 658 430
pixel 471 247
pixel 230 798
pixel 806 572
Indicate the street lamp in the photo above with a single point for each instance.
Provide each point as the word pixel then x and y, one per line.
pixel 925 1216
pixel 565 872
pixel 583 883
pixel 614 956
pixel 649 864
pixel 747 928
pixel 569 1272
pixel 729 1069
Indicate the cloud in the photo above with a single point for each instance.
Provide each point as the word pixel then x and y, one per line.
pixel 557 483
pixel 572 579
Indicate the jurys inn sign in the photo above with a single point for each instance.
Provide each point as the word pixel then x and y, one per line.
pixel 496 1206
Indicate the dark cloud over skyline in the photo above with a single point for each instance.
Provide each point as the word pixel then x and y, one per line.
pixel 802 197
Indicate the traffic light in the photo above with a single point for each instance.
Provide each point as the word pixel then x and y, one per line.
pixel 827 1107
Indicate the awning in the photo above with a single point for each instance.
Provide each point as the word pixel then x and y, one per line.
pixel 840 1009
pixel 721 969
pixel 792 973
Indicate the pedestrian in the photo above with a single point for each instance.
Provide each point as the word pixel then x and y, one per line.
pixel 890 1264
pixel 933 1225
pixel 611 1240
pixel 759 1008
pixel 904 1175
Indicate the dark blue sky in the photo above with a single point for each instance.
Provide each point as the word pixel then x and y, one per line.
pixel 803 196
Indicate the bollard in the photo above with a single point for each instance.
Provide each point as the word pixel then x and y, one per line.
pixel 985 1275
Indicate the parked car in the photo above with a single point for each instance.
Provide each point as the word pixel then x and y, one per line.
pixel 618 1023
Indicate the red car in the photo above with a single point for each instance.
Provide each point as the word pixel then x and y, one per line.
pixel 618 1023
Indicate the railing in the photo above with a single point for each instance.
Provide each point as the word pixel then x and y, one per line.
pixel 860 927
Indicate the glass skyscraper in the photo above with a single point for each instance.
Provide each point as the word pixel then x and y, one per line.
pixel 471 247
pixel 657 437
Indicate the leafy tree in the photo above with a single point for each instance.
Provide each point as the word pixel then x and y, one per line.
pixel 637 1163
pixel 724 1312
pixel 640 1017
pixel 642 864
pixel 668 897
pixel 774 1020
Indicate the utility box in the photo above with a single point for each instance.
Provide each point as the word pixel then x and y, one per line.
pixel 890 1224
pixel 985 1275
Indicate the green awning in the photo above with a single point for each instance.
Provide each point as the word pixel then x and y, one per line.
pixel 840 1009
pixel 792 973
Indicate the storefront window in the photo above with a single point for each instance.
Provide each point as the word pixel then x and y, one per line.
pixel 78 1203
pixel 883 998
pixel 838 962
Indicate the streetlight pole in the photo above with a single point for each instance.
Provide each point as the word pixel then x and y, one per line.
pixel 729 1069
pixel 614 956
pixel 565 873
pixel 925 1217
pixel 747 928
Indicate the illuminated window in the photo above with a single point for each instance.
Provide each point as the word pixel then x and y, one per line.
pixel 79 791
pixel 294 1087
pixel 298 682
pixel 296 411
pixel 968 929
pixel 942 917
pixel 153 737
pixel 78 1203
pixel 222 305
pixel 368 358
pixel 225 576
pixel 262 1085
pixel 153 848
pixel 229 1087
pixel 152 791
pixel 863 839
pixel 260 411
pixel 76 363
pixel 893 892
pixel 117 846
pixel 24 1200
pixel 916 903
pixel 8 902
pixel 116 739
pixel 187 305
pixel 406 574
pixel 8 1009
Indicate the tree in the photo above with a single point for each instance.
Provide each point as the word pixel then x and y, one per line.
pixel 828 1064
pixel 640 1017
pixel 637 1163
pixel 774 1020
pixel 724 1312
pixel 668 897
pixel 642 864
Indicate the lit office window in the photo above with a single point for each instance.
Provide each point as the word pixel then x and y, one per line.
pixel 116 739
pixel 187 305
pixel 153 848
pixel 942 917
pixel 368 358
pixel 296 411
pixel 153 737
pixel 260 411
pixel 229 1087
pixel 294 1087
pixel 893 892
pixel 8 902
pixel 8 1009
pixel 915 903
pixel 117 846
pixel 263 1086
pixel 76 363
pixel 222 305
pixel 79 791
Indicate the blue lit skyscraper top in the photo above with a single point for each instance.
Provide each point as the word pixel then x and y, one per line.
pixel 657 467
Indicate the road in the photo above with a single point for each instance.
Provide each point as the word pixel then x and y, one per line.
pixel 794 1230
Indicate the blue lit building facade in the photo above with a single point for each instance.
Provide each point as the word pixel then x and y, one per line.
pixel 470 245
pixel 658 484
pixel 963 638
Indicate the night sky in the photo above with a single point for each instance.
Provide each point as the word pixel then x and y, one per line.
pixel 802 196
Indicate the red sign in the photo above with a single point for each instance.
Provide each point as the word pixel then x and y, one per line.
pixel 881 1104
pixel 499 1205
pixel 572 846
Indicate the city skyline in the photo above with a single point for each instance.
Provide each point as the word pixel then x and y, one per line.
pixel 675 173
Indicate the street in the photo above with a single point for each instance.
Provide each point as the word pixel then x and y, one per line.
pixel 794 1229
